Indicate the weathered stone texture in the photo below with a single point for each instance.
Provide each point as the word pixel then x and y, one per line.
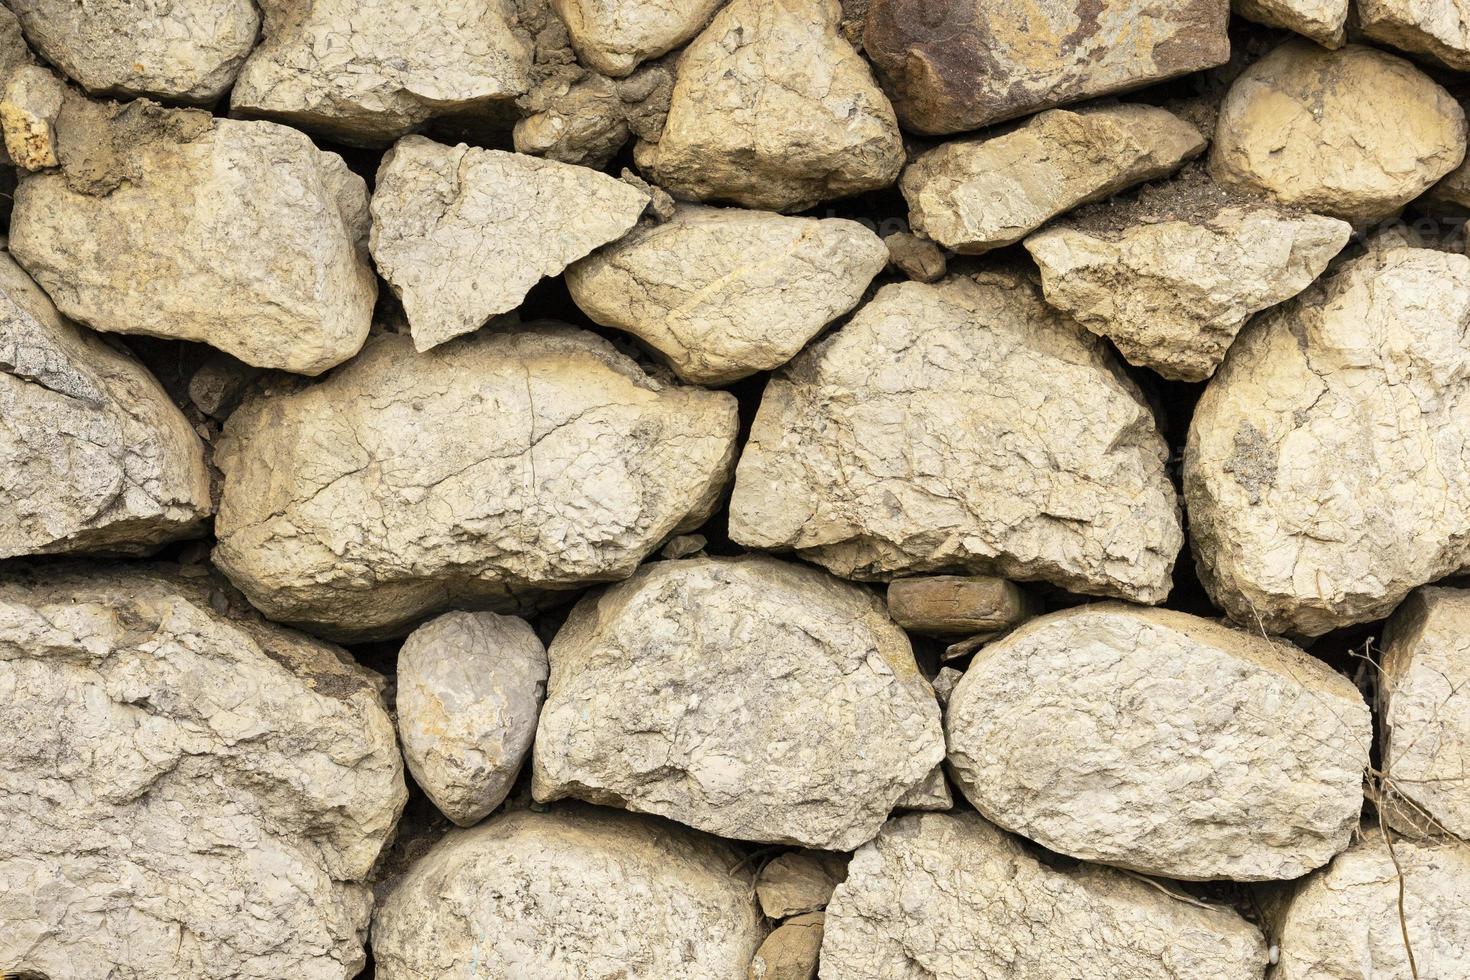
pixel 799 881
pixel 1437 28
pixel 955 605
pixel 586 121
pixel 1323 21
pixel 30 102
pixel 614 36
pixel 790 952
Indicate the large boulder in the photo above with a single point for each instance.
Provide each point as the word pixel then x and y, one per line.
pixel 575 892
pixel 1325 470
pixel 952 65
pixel 170 223
pixel 722 293
pixel 1437 28
pixel 187 794
pixel 785 116
pixel 369 71
pixel 614 37
pixel 1354 133
pixel 462 233
pixel 747 697
pixel 1059 475
pixel 950 897
pixel 976 194
pixel 185 52
pixel 93 454
pixel 487 473
pixel 1229 755
pixel 470 687
pixel 1323 21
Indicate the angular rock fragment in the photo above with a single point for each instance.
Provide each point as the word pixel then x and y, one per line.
pixel 1059 477
pixel 93 454
pixel 772 109
pixel 1323 472
pixel 917 258
pixel 953 65
pixel 957 605
pixel 1172 293
pixel 186 795
pixel 1350 918
pixel 1323 21
pixel 487 474
pixel 790 952
pixel 723 293
pixel 614 37
pixel 950 897
pixel 219 385
pixel 369 71
pixel 185 52
pixel 1354 134
pixel 470 687
pixel 462 233
pixel 30 101
pixel 1231 756
pixel 587 121
pixel 1437 28
pixel 752 698
pixel 932 794
pixel 240 235
pixel 798 882
pixel 1426 708
pixel 576 892
pixel 976 194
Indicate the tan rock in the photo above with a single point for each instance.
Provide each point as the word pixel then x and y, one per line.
pixel 932 794
pixel 950 897
pixel 722 293
pixel 491 473
pixel 748 697
pixel 976 194
pixel 587 121
pixel 29 105
pixel 1229 755
pixel 615 36
pixel 787 116
pixel 799 881
pixel 790 952
pixel 1323 21
pixel 1323 470
pixel 462 233
pixel 917 258
pixel 1172 294
pixel 957 605
pixel 1437 28
pixel 1354 133
pixel 953 65
pixel 1075 495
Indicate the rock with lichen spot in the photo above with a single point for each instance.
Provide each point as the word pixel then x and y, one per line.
pixel 30 101
pixel 1060 476
pixel 614 36
pixel 1323 21
pixel 976 194
pixel 790 952
pixel 491 473
pixel 722 293
pixel 784 117
pixel 1437 28
pixel 950 897
pixel 799 881
pixel 1355 134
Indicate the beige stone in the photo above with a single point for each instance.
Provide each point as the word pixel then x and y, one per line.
pixel 722 293
pixel 957 605
pixel 1059 477
pixel 1323 21
pixel 615 36
pixel 1437 28
pixel 587 121
pixel 491 473
pixel 30 101
pixel 798 881
pixel 980 193
pixel 790 952
pixel 918 258
pixel 932 794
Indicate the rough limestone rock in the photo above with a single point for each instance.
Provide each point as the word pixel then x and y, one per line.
pixel 1438 28
pixel 1349 919
pixel 470 687
pixel 1323 21
pixel 799 881
pixel 369 71
pixel 462 233
pixel 976 194
pixel 748 697
pixel 957 605
pixel 1172 294
pixel 1354 133
pixel 240 235
pixel 576 892
pixel 790 952
pixel 950 897
pixel 490 473
pixel 30 101
pixel 723 293
pixel 1230 756
pixel 772 109
pixel 615 36
pixel 185 52
pixel 1059 477
pixel 918 258
pixel 586 121
pixel 186 795
pixel 93 454
pixel 1324 470
pixel 1425 687
pixel 953 65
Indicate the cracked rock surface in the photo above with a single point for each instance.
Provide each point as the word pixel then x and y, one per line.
pixel 614 37
pixel 1059 477
pixel 461 233
pixel 723 293
pixel 487 473
pixel 93 454
pixel 747 697
pixel 571 893
pixel 1323 21
pixel 186 794
pixel 1437 28
pixel 1325 473
pixel 950 897
pixel 1161 742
